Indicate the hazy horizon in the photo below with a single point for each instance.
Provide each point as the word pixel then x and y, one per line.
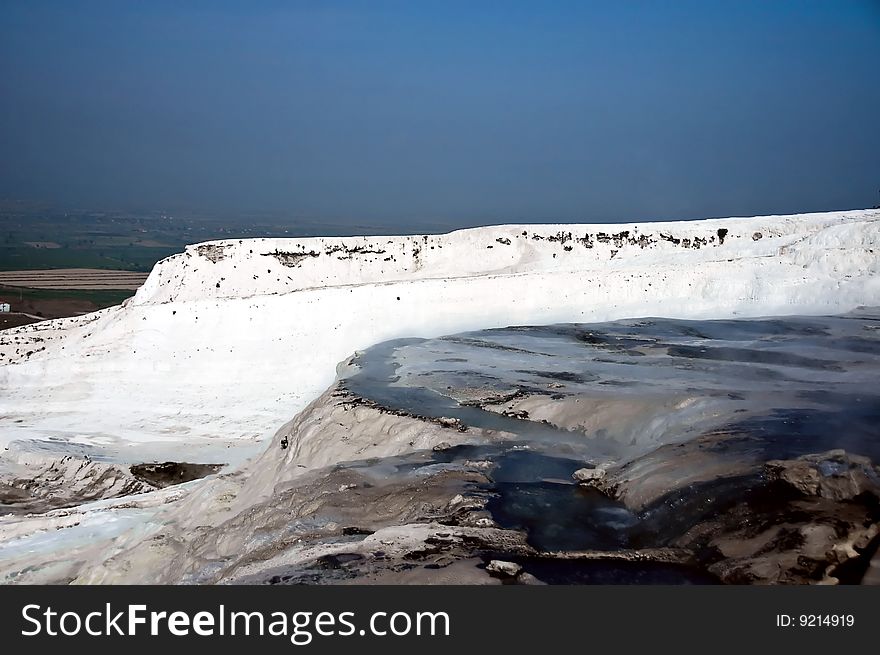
pixel 425 114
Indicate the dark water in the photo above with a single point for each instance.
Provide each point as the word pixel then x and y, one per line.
pixel 776 388
pixel 617 573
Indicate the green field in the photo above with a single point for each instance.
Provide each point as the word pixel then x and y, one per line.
pixel 55 303
pixel 99 297
pixel 119 258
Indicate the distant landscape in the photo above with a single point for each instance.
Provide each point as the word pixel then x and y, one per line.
pixel 56 263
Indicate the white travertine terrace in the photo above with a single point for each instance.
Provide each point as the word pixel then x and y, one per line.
pixel 228 341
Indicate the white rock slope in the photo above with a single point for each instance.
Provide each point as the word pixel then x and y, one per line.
pixel 228 340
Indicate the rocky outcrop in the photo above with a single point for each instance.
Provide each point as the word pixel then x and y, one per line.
pixel 836 475
pixel 812 519
pixel 502 569
pixel 34 483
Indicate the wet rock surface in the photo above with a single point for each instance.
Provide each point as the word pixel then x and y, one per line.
pixel 836 475
pixel 35 482
pixel 636 452
pixel 746 448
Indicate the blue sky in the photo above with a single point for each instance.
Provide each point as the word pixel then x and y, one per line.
pixel 467 112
